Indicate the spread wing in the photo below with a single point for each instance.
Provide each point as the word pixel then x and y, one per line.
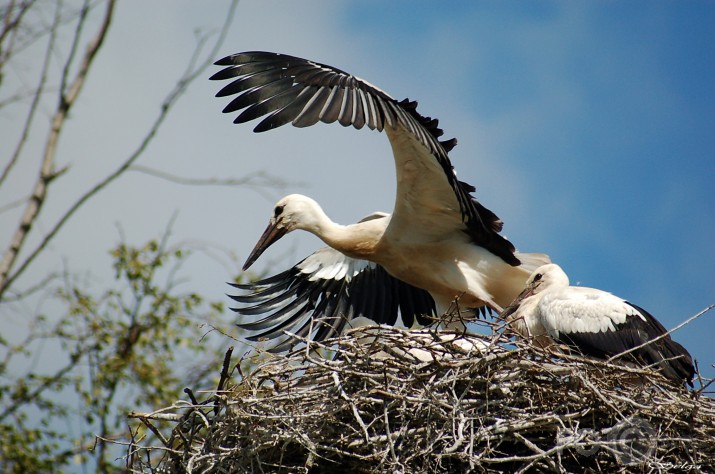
pixel 321 297
pixel 288 89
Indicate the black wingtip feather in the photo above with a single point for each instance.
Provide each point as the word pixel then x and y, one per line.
pixel 448 145
pixel 407 104
pixel 222 75
pixel 225 61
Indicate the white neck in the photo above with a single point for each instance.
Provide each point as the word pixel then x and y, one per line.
pixel 355 240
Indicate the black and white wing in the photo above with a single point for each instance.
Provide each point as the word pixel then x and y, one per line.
pixel 319 298
pixel 600 324
pixel 293 90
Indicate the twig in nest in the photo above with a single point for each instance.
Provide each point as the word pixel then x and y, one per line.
pixel 379 408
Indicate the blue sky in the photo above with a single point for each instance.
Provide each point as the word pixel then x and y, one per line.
pixel 586 126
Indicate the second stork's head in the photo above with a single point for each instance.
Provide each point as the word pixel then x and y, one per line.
pixel 294 211
pixel 546 277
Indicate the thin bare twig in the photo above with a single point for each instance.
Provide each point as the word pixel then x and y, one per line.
pixel 36 96
pixel 12 20
pixel 7 278
pixel 47 172
pixel 666 334
pixel 260 182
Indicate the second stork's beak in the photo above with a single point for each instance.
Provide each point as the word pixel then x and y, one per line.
pixel 525 293
pixel 271 235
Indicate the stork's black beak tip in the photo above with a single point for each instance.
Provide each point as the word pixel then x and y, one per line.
pixel 271 235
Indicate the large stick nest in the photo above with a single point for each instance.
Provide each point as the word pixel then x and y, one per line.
pixel 426 401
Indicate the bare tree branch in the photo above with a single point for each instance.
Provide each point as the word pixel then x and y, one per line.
pixel 260 182
pixel 47 173
pixel 7 278
pixel 254 179
pixel 12 19
pixel 37 95
pixel 73 49
pixel 21 34
pixel 41 285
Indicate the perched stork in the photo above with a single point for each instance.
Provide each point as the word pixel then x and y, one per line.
pixel 438 238
pixel 328 293
pixel 595 323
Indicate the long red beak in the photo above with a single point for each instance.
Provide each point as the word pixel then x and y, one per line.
pixel 270 236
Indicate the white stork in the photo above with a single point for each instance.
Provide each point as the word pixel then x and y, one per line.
pixel 595 323
pixel 438 238
pixel 328 293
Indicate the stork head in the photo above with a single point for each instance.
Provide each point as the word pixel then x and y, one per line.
pixel 545 277
pixel 292 212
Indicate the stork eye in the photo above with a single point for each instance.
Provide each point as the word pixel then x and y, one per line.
pixel 278 211
pixel 538 276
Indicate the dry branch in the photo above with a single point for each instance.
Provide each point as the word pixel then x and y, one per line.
pixel 10 269
pixel 68 97
pixel 425 401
